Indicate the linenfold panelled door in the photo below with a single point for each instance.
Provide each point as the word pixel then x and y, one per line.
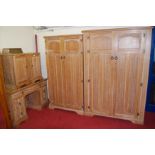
pixel 65 71
pixel 129 50
pixel 55 78
pixel 72 64
pixel 99 73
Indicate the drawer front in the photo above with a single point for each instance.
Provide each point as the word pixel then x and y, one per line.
pixel 31 89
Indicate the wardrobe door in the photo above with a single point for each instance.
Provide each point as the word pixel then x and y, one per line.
pixel 72 63
pixel 129 54
pixel 55 77
pixel 99 73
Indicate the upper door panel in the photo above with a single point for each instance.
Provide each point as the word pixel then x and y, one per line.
pixel 101 42
pixel 54 44
pixel 73 44
pixel 131 41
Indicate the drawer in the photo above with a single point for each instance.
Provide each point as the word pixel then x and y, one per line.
pixel 31 89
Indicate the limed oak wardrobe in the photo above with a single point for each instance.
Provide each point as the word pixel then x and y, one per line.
pixel 102 72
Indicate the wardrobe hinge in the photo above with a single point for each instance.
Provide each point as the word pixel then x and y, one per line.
pixel 88 80
pixel 144 35
pixel 141 84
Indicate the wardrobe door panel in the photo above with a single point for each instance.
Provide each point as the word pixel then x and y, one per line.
pixel 101 42
pixel 54 44
pixel 129 52
pixel 73 44
pixel 55 77
pixel 73 81
pixel 73 72
pixel 130 41
pixel 128 84
pixel 101 83
pixel 99 73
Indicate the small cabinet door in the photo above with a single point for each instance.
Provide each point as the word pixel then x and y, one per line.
pixel 20 69
pixel 36 67
pixel 129 50
pixel 99 73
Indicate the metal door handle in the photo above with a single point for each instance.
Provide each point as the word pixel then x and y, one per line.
pixel 116 58
pixel 112 58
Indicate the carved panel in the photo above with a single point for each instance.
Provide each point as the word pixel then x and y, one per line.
pixel 101 42
pixel 53 45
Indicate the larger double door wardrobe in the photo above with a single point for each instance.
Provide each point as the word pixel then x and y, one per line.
pixel 100 72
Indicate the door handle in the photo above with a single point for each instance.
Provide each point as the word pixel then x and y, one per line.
pixel 62 57
pixel 116 58
pixel 112 58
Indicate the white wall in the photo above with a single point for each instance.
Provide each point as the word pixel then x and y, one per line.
pixel 59 31
pixel 17 37
pixel 23 37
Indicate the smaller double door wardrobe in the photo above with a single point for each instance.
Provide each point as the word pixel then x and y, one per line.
pixel 101 72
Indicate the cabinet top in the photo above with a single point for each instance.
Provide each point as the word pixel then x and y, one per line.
pixel 17 54
pixel 72 36
pixel 120 29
